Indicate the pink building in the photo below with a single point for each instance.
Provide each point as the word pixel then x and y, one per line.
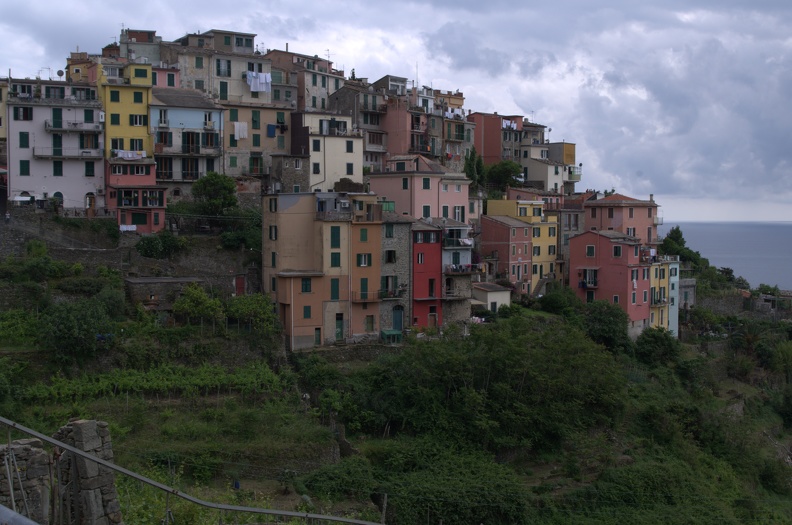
pixel 422 188
pixel 506 246
pixel 133 193
pixel 624 214
pixel 606 265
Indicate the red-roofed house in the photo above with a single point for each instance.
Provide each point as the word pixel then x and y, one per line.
pixel 624 214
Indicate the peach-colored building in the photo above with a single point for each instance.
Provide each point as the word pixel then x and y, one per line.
pixel 506 244
pixel 608 265
pixel 624 214
pixel 321 258
pixel 497 137
pixel 422 188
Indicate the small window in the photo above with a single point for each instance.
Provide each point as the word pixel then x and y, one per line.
pixel 335 259
pixel 590 250
pixel 316 169
pixel 350 168
pixel 306 312
pixel 317 145
pixel 349 146
pixel 427 211
pixel 405 183
pixel 427 183
pixel 137 97
pixel 390 256
pixel 389 231
pixel 364 235
pixel 115 95
pixel 306 285
pixel 617 251
pixel 198 62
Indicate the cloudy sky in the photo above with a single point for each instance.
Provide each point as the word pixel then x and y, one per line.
pixel 689 101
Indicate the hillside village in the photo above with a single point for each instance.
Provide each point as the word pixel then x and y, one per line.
pixel 375 217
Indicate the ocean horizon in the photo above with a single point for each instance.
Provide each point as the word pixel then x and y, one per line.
pixel 760 251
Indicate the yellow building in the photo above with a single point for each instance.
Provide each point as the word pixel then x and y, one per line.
pixel 659 304
pixel 125 92
pixel 544 237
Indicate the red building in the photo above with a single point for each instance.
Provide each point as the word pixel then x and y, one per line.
pixel 427 275
pixel 506 246
pixel 133 193
pixel 606 265
pixel 624 214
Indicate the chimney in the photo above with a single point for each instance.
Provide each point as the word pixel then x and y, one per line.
pixel 287 47
pixel 651 197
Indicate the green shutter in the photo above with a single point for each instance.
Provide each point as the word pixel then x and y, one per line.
pixel 334 289
pixel 335 236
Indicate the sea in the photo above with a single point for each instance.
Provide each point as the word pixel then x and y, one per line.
pixel 761 252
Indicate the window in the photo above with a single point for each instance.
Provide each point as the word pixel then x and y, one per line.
pixel 427 211
pixel 24 139
pixel 350 168
pixel 24 167
pixel 136 144
pixel 256 140
pixel 317 145
pixel 364 259
pixel 57 168
pixel 256 119
pixel 198 62
pixel 334 289
pixel 390 256
pixel 89 169
pixel 593 213
pixel 115 95
pixel 364 235
pixel 313 102
pixel 617 251
pixel 138 120
pixel 223 68
pixel 427 183
pixel 645 296
pixel 335 236
pixel 141 73
pixel 137 97
pixel 537 232
pixel 171 80
pixel 551 250
pixel 316 169
pixel 590 250
pixel 615 299
pixel 537 251
pixel 458 188
pixel 630 212
pixel 389 231
pixel 115 119
pixel 551 231
pixel 199 85
pixel 273 232
pixel 445 187
pixel 232 162
pixel 153 78
pixel 420 258
pixel 232 141
pixel 306 285
pixel 349 146
pixel 335 259
pixel 282 145
pixel 472 209
pixel 610 213
pixel 649 212
pixel 405 183
pixel 632 298
pixel 306 312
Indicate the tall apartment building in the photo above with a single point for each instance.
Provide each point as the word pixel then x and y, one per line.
pixel 55 133
pixel 316 78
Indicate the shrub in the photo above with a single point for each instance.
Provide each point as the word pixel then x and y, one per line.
pixel 160 246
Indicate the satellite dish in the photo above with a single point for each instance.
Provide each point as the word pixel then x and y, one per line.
pixel 60 73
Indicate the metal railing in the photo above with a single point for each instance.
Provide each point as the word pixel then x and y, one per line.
pixel 173 491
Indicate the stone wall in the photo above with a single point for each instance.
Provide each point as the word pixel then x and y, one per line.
pixel 33 466
pixel 91 499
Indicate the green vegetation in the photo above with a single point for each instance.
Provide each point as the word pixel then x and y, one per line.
pixel 546 415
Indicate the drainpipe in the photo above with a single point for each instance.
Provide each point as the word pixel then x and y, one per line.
pixel 291 310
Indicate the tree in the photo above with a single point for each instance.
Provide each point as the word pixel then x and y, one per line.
pixel 473 171
pixel 606 324
pixel 214 193
pixel 195 303
pixel 255 310
pixel 74 331
pixel 503 174
pixel 656 346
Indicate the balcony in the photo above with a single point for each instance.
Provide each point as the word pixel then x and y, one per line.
pixel 191 175
pixel 658 221
pixel 574 173
pixel 454 294
pixel 587 283
pixel 190 149
pixel 456 137
pixel 379 108
pixel 209 125
pixel 463 269
pixel 451 242
pixel 67 153
pixel 334 216
pixel 163 123
pixel 391 294
pixel 365 297
pixel 659 301
pixel 72 125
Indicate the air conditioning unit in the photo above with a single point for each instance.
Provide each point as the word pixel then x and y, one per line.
pixel 100 191
pixel 97 127
pixel 344 204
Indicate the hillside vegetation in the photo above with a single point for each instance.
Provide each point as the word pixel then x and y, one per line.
pixel 549 414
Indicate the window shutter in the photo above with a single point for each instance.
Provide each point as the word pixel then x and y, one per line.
pixel 383 283
pixel 131 120
pixel 170 138
pixel 82 141
pixel 16 113
pixel 145 120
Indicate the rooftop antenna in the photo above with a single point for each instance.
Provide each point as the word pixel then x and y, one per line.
pixel 328 54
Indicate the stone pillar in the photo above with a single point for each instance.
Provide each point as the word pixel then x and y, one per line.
pixel 33 469
pixel 92 498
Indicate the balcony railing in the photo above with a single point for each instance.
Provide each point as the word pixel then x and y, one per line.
pixel 72 125
pixel 190 149
pixel 364 297
pixel 391 294
pixel 450 242
pixel 334 215
pixel 462 269
pixel 658 220
pixel 455 294
pixel 587 283
pixel 659 301
pixel 163 123
pixel 575 173
pixel 191 175
pixel 67 153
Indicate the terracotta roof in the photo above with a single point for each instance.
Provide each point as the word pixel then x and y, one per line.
pixel 390 216
pixel 618 198
pixel 508 221
pixel 183 98
pixel 490 287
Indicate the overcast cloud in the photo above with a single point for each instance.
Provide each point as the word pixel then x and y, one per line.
pixel 686 100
